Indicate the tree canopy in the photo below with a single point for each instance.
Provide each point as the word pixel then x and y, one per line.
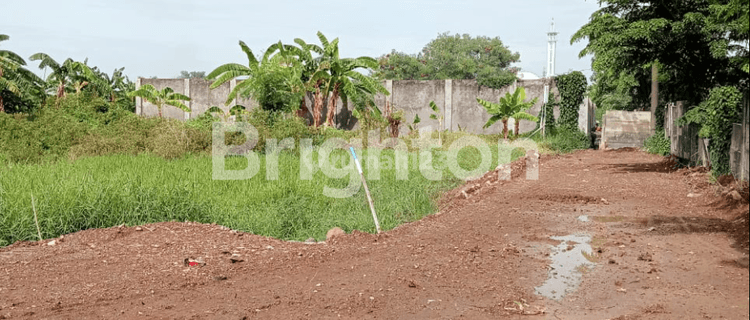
pixel 192 74
pixel 696 45
pixel 448 56
pixel 18 86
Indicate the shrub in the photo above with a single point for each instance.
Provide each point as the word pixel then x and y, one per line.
pixel 716 116
pixel 572 87
pixel 658 144
pixel 565 140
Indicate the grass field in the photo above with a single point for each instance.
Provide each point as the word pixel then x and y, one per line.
pixel 105 191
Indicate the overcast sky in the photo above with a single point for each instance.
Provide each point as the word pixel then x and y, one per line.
pixel 162 37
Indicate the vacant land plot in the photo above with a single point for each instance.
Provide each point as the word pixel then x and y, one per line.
pixel 663 245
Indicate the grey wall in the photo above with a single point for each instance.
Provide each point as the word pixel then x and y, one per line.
pixel 740 148
pixel 623 129
pixel 456 100
pixel 687 145
pixel 684 141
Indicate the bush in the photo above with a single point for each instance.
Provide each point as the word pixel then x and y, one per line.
pixel 716 116
pixel 565 140
pixel 572 87
pixel 658 144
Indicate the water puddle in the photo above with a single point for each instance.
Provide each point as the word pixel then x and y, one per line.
pixel 583 218
pixel 569 259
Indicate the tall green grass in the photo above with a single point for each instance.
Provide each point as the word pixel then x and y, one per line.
pixel 105 191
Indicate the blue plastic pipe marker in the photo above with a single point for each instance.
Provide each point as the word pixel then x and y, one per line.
pixel 367 190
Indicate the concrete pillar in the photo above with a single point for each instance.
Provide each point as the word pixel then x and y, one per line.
pixel 448 110
pixel 232 85
pixel 138 100
pixel 388 98
pixel 745 149
pixel 187 93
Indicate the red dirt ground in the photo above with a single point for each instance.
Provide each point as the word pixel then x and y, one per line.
pixel 659 255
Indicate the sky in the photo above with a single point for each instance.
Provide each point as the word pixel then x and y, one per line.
pixel 162 37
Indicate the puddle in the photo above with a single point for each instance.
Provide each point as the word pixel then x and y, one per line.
pixel 567 265
pixel 583 218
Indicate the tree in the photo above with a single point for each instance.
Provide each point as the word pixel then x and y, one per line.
pixel 162 97
pixel 482 58
pixel 343 79
pixel 272 80
pixel 69 74
pixel 192 74
pixel 612 90
pixel 696 44
pixel 509 106
pixel 16 82
pixel 311 77
pixel 437 115
pixel 114 88
pixel 731 19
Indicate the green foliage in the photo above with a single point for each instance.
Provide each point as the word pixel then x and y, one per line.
pixel 192 74
pixel 106 191
pixel 261 80
pixel 280 79
pixel 270 87
pixel 509 106
pixel 658 144
pixel 565 140
pixel 437 115
pixel 19 87
pixel 716 117
pixel 414 126
pixel 612 91
pixel 572 87
pixel 81 125
pixel 448 56
pixel 697 45
pixel 160 98
pixel 549 112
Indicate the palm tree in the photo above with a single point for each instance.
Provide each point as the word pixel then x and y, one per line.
pixel 69 73
pixel 13 76
pixel 510 106
pixel 162 97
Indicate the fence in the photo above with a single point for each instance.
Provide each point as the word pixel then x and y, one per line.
pixel 684 140
pixel 456 100
pixel 740 147
pixel 687 145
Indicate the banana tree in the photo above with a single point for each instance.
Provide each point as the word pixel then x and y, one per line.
pixel 312 77
pixel 344 80
pixel 509 106
pixel 436 115
pixel 14 78
pixel 69 73
pixel 162 97
pixel 273 81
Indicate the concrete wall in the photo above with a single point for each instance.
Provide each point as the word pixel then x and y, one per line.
pixel 622 129
pixel 684 140
pixel 147 109
pixel 456 100
pixel 586 116
pixel 740 148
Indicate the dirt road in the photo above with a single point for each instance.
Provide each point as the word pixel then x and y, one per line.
pixel 656 244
